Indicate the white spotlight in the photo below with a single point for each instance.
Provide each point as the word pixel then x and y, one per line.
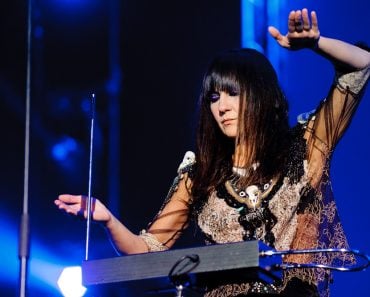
pixel 70 282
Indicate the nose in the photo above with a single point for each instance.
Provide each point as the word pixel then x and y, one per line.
pixel 223 102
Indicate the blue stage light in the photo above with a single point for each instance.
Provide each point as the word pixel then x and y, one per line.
pixel 44 267
pixel 66 146
pixel 8 250
pixel 70 282
pixel 75 4
pixel 86 105
pixel 71 2
pixel 44 270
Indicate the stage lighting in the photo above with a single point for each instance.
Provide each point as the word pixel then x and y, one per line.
pixel 62 149
pixel 71 2
pixel 70 282
pixel 8 250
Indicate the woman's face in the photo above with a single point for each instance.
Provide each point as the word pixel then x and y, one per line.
pixel 225 110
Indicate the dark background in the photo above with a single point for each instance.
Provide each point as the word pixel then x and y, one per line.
pixel 144 60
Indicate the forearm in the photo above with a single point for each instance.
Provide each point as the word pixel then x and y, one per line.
pixel 343 54
pixel 123 239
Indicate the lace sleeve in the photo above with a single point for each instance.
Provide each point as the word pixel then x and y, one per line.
pixel 327 125
pixel 173 216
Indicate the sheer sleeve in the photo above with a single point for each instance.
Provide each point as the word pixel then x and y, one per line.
pixel 173 216
pixel 318 223
pixel 331 119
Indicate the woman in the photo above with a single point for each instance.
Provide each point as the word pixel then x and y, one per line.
pixel 254 177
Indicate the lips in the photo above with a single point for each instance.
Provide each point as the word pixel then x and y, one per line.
pixel 227 121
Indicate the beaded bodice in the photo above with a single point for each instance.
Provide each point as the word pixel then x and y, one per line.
pixel 224 219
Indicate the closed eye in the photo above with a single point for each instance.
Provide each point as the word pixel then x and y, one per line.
pixel 213 97
pixel 233 93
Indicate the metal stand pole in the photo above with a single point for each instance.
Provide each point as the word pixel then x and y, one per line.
pixel 23 248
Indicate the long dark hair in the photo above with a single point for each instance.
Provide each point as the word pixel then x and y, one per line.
pixel 263 129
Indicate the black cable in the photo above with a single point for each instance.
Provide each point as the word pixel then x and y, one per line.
pixel 179 275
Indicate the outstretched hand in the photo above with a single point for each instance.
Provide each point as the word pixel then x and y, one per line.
pixel 77 205
pixel 302 32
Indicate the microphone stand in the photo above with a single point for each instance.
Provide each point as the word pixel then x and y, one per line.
pixel 23 248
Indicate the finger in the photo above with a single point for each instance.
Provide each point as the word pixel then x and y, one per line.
pixel 315 24
pixel 281 39
pixel 291 22
pixel 57 202
pixel 306 20
pixel 67 198
pixel 72 199
pixel 70 209
pixel 298 21
pixel 274 32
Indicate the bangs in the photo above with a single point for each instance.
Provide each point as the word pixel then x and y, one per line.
pixel 221 82
pixel 244 71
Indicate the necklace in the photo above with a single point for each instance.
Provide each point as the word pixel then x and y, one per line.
pixel 251 196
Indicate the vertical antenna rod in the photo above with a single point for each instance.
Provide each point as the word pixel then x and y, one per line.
pixel 89 198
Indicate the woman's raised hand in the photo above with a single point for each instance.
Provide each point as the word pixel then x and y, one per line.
pixel 303 31
pixel 77 205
